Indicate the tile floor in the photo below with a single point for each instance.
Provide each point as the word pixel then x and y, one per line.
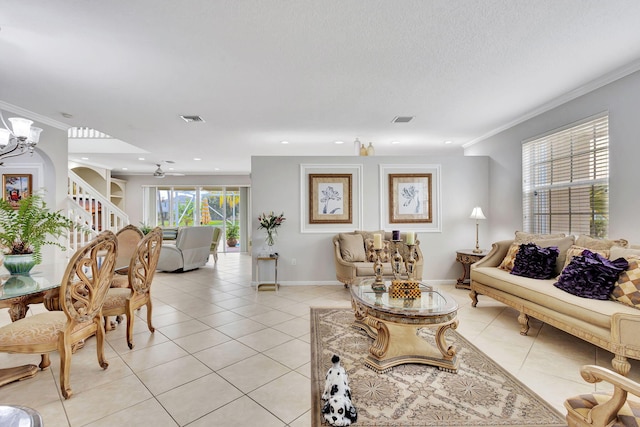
pixel 223 355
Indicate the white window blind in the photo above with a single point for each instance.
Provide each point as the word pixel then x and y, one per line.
pixel 565 180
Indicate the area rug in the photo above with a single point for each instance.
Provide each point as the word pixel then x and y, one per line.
pixel 481 393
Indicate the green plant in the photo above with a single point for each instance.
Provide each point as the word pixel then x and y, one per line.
pixel 29 227
pixel 233 231
pixel 145 228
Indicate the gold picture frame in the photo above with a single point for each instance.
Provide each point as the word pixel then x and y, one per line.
pixel 410 198
pixel 330 198
pixel 16 187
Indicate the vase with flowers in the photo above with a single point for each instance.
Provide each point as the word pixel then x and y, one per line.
pixel 270 223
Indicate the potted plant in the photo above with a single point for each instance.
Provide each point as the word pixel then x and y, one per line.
pixel 25 229
pixel 233 232
pixel 145 228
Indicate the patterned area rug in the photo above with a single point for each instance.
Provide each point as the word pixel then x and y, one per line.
pixel 481 393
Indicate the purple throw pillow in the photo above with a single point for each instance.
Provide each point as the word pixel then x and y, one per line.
pixel 591 275
pixel 535 262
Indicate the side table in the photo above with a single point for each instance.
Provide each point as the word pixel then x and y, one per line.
pixel 466 257
pixel 273 284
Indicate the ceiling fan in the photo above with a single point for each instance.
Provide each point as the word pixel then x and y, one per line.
pixel 159 173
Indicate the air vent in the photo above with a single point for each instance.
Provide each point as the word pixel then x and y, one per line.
pixel 402 119
pixel 192 119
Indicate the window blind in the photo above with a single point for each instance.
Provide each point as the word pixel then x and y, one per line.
pixel 565 180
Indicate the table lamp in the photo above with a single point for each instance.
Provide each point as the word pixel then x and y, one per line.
pixel 477 214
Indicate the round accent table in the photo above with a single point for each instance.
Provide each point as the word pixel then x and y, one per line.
pixel 466 257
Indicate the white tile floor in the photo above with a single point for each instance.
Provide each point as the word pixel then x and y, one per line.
pixel 223 355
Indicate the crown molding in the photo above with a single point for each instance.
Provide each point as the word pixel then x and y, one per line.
pixel 563 99
pixel 33 116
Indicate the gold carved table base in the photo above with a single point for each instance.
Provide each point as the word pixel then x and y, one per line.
pixel 398 343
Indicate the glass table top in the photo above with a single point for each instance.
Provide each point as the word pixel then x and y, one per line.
pixel 432 301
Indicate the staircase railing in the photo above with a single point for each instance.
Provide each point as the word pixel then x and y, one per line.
pixel 91 211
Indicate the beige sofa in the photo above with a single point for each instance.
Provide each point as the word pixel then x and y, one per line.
pixel 610 325
pixel 351 255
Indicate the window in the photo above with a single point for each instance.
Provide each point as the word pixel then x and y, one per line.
pixel 565 180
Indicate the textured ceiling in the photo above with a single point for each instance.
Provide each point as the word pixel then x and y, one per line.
pixel 309 72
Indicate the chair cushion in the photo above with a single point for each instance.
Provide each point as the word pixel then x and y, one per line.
pixel 628 415
pixel 352 247
pixel 120 281
pixel 116 297
pixel 39 329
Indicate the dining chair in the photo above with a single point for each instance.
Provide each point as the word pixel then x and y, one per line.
pixel 83 290
pixel 142 268
pixel 128 238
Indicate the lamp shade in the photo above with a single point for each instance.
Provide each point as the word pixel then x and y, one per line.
pixel 34 135
pixel 21 127
pixel 4 137
pixel 476 213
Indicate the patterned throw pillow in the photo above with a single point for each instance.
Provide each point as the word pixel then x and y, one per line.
pixel 576 250
pixel 591 275
pixel 385 253
pixel 510 258
pixel 535 262
pixel 627 288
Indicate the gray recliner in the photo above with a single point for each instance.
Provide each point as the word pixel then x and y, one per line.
pixel 190 251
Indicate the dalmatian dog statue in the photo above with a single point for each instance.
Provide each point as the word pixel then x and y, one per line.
pixel 338 409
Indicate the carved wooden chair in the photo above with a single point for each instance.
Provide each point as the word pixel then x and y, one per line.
pixel 82 290
pixel 128 238
pixel 602 409
pixel 142 268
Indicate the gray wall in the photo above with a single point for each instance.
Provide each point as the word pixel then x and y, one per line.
pixel 276 187
pixel 622 100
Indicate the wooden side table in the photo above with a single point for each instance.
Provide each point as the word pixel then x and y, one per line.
pixel 274 285
pixel 466 257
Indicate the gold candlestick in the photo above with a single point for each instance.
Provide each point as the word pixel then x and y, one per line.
pixel 411 263
pixel 378 284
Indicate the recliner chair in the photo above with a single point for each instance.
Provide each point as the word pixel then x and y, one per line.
pixel 191 250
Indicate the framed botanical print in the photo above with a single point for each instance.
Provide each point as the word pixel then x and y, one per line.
pixel 410 198
pixel 16 187
pixel 330 198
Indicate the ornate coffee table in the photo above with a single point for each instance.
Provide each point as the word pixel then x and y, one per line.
pixel 394 324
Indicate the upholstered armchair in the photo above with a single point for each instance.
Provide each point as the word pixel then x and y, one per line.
pixel 600 409
pixel 190 251
pixel 353 255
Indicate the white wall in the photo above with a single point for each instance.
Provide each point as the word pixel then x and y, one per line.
pixel 622 99
pixel 276 187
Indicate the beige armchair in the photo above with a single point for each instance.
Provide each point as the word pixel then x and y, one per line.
pixel 353 255
pixel 600 410
pixel 190 251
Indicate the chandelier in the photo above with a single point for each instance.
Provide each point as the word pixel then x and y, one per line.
pixel 19 139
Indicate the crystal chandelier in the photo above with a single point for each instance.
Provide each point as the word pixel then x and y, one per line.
pixel 18 139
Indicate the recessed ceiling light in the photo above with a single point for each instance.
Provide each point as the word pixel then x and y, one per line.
pixel 284 142
pixel 197 158
pixel 339 142
pixel 448 142
pixel 84 158
pixel 395 142
pixel 216 169
pixel 140 158
pixel 171 169
pixel 125 169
